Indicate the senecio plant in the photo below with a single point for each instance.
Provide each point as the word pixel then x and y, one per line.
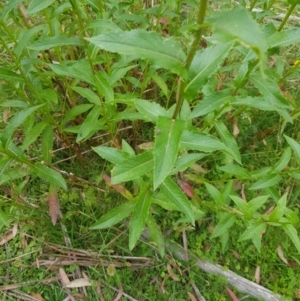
pixel 98 65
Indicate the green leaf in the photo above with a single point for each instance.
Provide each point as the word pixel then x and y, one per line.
pixel 211 103
pixel 111 154
pixel 266 181
pixel 257 202
pixel 16 153
pixel 278 212
pixel 89 123
pixel 139 216
pixel 34 133
pixel 88 94
pixel 163 53
pixel 57 41
pixel 224 224
pixel 284 38
pixel 71 114
pixel 167 141
pixel 114 216
pixel 201 142
pixel 47 144
pixel 14 104
pixel 4 220
pixel 242 205
pixel 184 161
pixel 151 110
pixel 132 168
pixel 270 90
pixel 49 174
pixel 228 139
pixel 156 235
pixel 162 201
pixel 161 84
pixel 295 147
pixel 254 232
pixel 215 194
pixel 8 7
pixel 15 122
pixel 238 23
pixel 74 71
pixel 38 5
pixel 8 75
pixel 102 83
pixel 13 174
pixel 235 170
pixel 175 195
pixel 127 148
pixel 283 161
pixel 293 235
pixel 204 64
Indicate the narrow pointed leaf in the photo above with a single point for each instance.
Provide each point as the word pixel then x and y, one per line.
pixel 57 41
pixel 201 142
pixel 295 147
pixel 47 143
pixel 267 181
pixel 139 216
pixel 8 75
pixel 115 216
pixel 91 96
pixel 211 103
pixel 111 154
pixel 156 235
pixel 132 168
pixel 284 38
pixel 283 161
pixel 270 90
pixel 89 123
pixel 204 64
pixel 167 141
pixel 102 83
pixel 151 110
pixel 175 195
pixel 49 174
pixel 293 235
pixel 235 170
pixel 228 139
pixel 34 134
pixel 224 224
pixel 15 122
pixel 215 194
pixel 38 5
pixel 163 53
pixel 186 160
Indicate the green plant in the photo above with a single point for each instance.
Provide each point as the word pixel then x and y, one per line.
pixel 97 72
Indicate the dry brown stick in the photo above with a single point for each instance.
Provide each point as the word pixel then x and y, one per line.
pixel 241 284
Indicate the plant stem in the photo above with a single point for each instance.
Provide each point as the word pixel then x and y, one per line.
pixel 292 7
pixel 190 56
pixel 253 2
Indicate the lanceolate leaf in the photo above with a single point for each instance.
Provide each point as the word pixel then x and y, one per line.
pixel 211 103
pixel 201 142
pixel 38 5
pixel 49 174
pixel 270 90
pixel 163 53
pixel 88 94
pixel 89 124
pixel 57 41
pixel 150 110
pixel 132 168
pixel 115 216
pixel 283 161
pixel 292 233
pixel 47 143
pixel 175 195
pixel 238 23
pixel 139 216
pixel 224 224
pixel 228 139
pixel 167 141
pixel 284 38
pixel 8 75
pixel 267 181
pixel 156 235
pixel 204 64
pixel 295 147
pixel 103 85
pixel 111 154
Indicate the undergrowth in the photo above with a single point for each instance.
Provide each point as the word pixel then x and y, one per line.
pixel 176 117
